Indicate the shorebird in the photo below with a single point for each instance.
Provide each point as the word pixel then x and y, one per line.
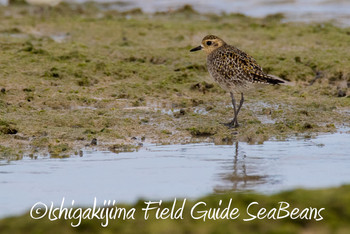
pixel 234 70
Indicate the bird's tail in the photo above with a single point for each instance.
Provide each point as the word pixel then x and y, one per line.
pixel 272 79
pixel 261 77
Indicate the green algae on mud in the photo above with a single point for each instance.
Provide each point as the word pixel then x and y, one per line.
pixel 125 78
pixel 335 216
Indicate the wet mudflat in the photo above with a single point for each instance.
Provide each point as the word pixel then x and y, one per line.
pixel 182 171
pixel 307 11
pixel 125 85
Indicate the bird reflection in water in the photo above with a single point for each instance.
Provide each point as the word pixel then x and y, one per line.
pixel 238 177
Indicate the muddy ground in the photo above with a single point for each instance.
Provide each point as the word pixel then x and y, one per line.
pixel 77 76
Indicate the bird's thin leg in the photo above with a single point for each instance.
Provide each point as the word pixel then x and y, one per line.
pixel 239 108
pixel 233 103
pixel 233 122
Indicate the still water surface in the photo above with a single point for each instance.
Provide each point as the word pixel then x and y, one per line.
pixel 168 171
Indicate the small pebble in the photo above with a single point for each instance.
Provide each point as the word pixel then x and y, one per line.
pixel 93 141
pixel 341 93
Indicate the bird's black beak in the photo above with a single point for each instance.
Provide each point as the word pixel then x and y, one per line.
pixel 197 48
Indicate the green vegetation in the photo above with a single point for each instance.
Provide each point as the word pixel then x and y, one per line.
pixel 336 215
pixel 73 74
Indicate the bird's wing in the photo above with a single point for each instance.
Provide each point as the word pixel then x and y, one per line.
pixel 246 67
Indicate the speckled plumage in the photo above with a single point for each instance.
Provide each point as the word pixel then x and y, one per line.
pixel 232 69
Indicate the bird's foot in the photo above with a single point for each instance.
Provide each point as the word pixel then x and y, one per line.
pixel 232 124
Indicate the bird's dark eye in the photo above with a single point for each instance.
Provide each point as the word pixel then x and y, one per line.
pixel 209 43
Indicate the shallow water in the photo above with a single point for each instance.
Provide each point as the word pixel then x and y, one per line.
pixel 168 171
pixel 295 10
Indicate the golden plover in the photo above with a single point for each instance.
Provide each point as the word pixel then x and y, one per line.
pixel 232 69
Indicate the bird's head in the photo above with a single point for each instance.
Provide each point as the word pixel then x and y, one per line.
pixel 209 44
